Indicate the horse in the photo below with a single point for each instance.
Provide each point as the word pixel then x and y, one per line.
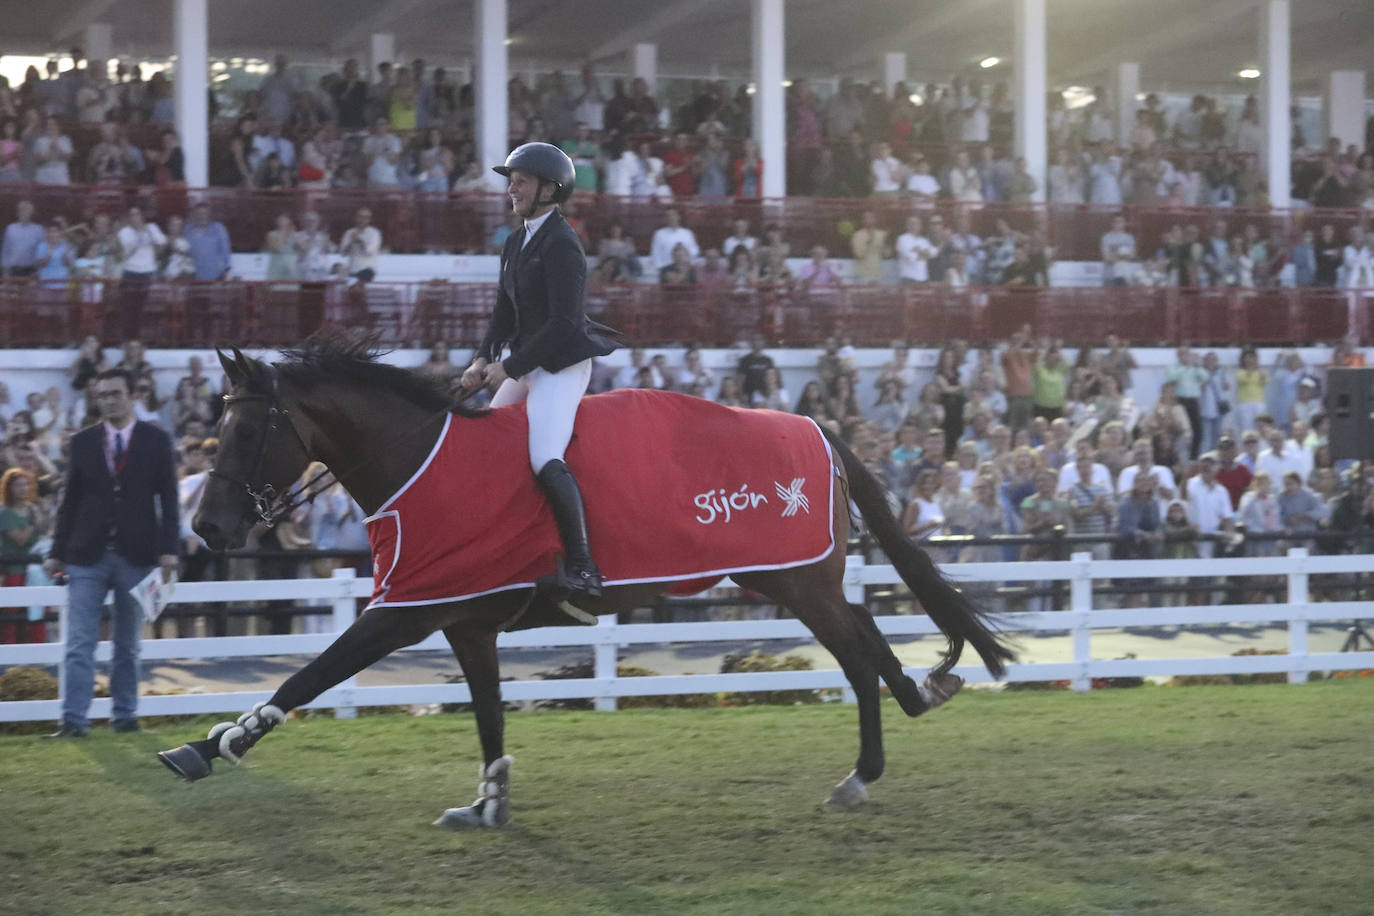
pixel 373 424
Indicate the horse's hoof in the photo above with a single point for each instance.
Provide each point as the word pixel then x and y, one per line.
pixel 485 812
pixel 850 793
pixel 938 689
pixel 186 762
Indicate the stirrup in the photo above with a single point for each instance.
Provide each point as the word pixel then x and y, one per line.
pixel 562 586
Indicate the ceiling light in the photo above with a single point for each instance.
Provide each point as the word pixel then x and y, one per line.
pixel 988 63
pixel 1249 73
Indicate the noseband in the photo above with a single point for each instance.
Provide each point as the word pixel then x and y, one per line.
pixel 269 505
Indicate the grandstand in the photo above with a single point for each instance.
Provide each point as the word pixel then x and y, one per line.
pixel 1086 169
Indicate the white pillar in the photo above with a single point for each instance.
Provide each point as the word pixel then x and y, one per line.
pixel 894 69
pixel 1344 107
pixel 1032 135
pixel 99 43
pixel 381 50
pixel 1127 88
pixel 770 103
pixel 191 89
pixel 1275 98
pixel 644 64
pixel 489 82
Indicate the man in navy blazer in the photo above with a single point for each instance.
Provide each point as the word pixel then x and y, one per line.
pixel 117 521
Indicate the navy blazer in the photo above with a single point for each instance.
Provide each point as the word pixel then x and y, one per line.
pixel 539 309
pixel 136 513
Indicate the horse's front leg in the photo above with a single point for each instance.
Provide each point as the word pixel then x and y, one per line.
pixel 375 634
pixel 476 652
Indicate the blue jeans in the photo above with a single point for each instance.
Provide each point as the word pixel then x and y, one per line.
pixel 85 607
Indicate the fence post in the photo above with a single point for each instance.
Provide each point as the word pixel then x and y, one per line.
pixel 1081 605
pixel 1297 599
pixel 854 594
pixel 345 610
pixel 604 660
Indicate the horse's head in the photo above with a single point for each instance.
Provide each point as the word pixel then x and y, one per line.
pixel 260 455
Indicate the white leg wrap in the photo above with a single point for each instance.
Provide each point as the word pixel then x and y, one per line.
pixel 219 729
pixel 225 742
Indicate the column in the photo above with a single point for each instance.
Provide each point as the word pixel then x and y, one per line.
pixel 894 69
pixel 1032 141
pixel 770 104
pixel 99 43
pixel 644 63
pixel 191 90
pixel 489 83
pixel 1343 101
pixel 1275 99
pixel 1127 88
pixel 381 50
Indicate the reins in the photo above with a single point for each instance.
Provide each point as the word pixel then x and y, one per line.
pixel 269 505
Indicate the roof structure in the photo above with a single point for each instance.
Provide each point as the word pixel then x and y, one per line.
pixel 1181 45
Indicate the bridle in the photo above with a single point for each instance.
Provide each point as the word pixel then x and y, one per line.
pixel 269 505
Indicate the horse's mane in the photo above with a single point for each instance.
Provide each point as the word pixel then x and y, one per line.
pixel 337 355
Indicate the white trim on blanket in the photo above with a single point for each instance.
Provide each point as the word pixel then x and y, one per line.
pixel 424 466
pixel 685 577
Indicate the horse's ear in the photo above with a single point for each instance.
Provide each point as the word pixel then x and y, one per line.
pixel 230 367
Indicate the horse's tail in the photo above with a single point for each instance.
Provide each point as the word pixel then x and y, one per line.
pixel 956 616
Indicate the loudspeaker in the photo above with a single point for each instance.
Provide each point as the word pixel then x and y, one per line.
pixel 1350 412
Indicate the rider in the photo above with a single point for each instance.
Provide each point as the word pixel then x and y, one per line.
pixel 539 314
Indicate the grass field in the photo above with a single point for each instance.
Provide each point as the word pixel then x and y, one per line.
pixel 1250 800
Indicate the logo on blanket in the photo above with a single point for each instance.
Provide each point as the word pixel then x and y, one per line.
pixel 721 505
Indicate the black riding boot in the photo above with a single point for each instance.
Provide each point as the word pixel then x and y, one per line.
pixel 578 575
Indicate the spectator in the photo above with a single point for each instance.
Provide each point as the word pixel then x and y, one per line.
pixel 921 186
pixel 693 372
pixel 142 244
pixel 1328 253
pixel 18 257
pixel 729 394
pixel 1188 377
pixel 1210 505
pixel 666 238
pixel 843 402
pixel 1050 381
pixel 889 412
pixel 350 97
pixel 362 245
pixel 818 275
pixel 1304 259
pixel 965 185
pixel 1021 186
pixel 1259 513
pixel 1104 176
pixel 209 244
pixel 953 396
pixel 1068 472
pixel 1214 401
pixel 680 270
pixel 680 168
pixel 281 253
pixel 924 516
pixel 618 246
pixel 1167 417
pixel 812 402
pixel 1233 475
pixel 1118 254
pixel 771 394
pixel 194 400
pixel 11 150
pixel 313 248
pixel 886 172
pixel 1143 458
pixel 19 533
pixel 1283 456
pixel 1300 510
pixel 914 252
pixel 753 366
pixel 739 236
pixel 51 153
pixel 1067 179
pixel 54 258
pixel 713 166
pixel 1091 508
pixel 382 151
pixel 747 173
pixel 1138 523
pixel 1357 261
pixel 869 245
pixel 1018 360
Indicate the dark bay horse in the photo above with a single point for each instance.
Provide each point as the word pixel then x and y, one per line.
pixel 374 425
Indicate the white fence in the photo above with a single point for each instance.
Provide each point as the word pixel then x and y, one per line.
pixel 609 636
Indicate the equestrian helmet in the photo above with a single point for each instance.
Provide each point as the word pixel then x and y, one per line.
pixel 545 162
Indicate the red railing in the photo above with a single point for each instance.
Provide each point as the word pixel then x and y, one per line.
pixel 421 221
pixel 169 314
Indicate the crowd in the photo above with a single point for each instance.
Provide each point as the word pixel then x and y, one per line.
pixel 411 126
pixel 1021 439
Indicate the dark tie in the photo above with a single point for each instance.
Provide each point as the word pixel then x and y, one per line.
pixel 119 450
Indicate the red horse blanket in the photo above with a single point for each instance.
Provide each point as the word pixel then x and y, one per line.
pixel 677 489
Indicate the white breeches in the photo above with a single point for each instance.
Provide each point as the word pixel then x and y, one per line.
pixel 551 403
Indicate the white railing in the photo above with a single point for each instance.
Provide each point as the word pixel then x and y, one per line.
pixel 609 636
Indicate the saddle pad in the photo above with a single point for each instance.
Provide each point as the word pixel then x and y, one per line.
pixel 677 489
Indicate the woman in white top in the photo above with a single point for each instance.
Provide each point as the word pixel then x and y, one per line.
pixel 51 153
pixel 141 244
pixel 886 171
pixel 964 183
pixel 923 518
pixel 1357 261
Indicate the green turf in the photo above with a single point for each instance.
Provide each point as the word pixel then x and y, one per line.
pixel 1248 800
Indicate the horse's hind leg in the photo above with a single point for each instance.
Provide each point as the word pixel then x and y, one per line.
pixel 477 655
pixel 817 602
pixel 374 635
